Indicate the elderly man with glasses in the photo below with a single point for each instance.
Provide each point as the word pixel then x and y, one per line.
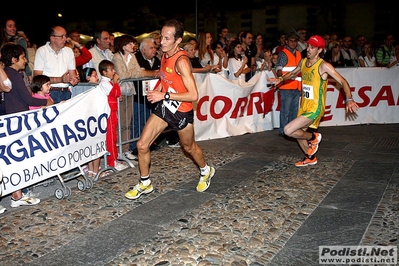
pixel 57 61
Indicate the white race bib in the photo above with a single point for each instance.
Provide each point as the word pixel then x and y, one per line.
pixel 172 105
pixel 307 92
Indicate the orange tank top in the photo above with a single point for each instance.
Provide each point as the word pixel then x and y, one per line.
pixel 171 80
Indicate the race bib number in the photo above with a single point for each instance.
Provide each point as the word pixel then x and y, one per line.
pixel 172 105
pixel 307 92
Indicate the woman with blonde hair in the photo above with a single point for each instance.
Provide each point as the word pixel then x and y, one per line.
pixel 334 55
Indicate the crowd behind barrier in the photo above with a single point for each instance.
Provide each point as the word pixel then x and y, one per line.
pixel 40 144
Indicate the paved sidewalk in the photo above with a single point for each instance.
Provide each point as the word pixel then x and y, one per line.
pixel 259 210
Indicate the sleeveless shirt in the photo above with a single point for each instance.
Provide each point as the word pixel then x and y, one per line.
pixel 171 80
pixel 314 88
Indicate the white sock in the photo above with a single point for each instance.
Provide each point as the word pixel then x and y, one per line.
pixel 205 170
pixel 145 180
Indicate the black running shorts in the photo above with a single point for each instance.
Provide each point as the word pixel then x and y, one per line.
pixel 176 121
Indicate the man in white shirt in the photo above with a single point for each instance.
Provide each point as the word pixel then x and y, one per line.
pixel 100 50
pixel 57 61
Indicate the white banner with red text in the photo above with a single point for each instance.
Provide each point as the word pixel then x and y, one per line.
pixel 38 144
pixel 229 108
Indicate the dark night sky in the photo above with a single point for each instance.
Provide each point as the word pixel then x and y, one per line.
pixel 91 10
pixel 36 23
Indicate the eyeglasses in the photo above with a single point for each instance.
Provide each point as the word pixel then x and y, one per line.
pixel 61 36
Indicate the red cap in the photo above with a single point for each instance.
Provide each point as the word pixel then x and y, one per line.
pixel 317 41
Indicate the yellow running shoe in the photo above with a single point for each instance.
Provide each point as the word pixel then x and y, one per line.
pixel 138 190
pixel 205 180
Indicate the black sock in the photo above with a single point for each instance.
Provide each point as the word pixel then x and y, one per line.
pixel 310 157
pixel 313 137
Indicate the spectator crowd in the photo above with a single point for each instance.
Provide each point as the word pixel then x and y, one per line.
pixel 34 77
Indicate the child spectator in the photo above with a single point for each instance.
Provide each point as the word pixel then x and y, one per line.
pixel 274 60
pixel 89 75
pixel 109 85
pixel 264 60
pixel 40 89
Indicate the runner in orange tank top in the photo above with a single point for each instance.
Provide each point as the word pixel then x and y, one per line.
pixel 173 99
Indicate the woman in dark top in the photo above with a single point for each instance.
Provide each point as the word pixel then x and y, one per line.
pixel 18 99
pixel 334 55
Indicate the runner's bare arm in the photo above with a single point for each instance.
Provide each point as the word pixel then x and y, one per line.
pixel 327 69
pixel 183 67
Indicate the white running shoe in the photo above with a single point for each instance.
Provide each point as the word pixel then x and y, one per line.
pixel 129 155
pixel 120 166
pixel 24 201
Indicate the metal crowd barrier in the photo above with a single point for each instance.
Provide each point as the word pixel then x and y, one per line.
pixel 126 112
pixel 126 125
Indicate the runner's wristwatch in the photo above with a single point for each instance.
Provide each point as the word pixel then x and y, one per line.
pixel 167 96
